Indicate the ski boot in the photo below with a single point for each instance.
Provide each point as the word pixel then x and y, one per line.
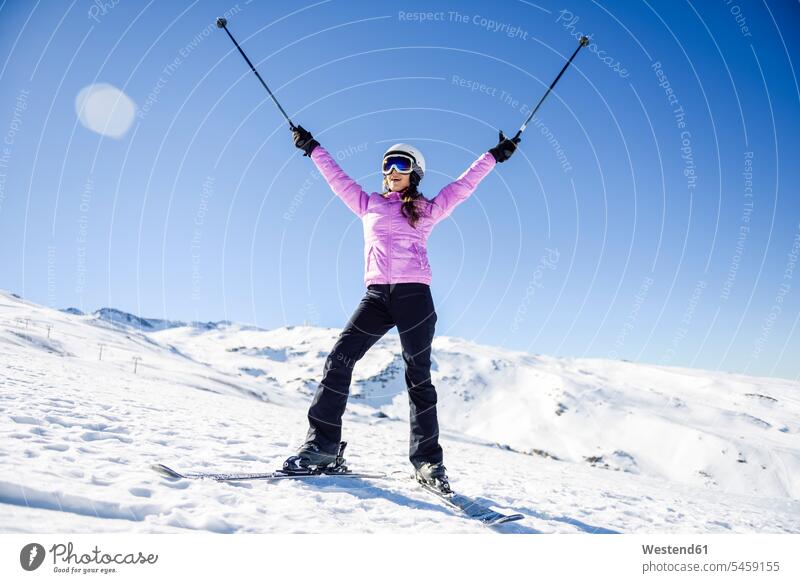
pixel 433 475
pixel 310 459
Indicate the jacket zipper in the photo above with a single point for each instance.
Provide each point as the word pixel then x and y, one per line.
pixel 391 240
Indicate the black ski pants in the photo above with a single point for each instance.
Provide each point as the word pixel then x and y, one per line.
pixel 409 306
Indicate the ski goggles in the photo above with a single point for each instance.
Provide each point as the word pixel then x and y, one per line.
pixel 400 162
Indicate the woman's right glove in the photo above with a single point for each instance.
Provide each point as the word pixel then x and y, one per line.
pixel 304 140
pixel 504 148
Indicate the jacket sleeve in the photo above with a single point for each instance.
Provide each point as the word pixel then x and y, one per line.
pixel 342 185
pixel 459 190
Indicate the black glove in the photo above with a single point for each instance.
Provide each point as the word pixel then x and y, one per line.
pixel 504 148
pixel 304 140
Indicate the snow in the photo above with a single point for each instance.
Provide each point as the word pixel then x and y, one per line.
pixel 576 445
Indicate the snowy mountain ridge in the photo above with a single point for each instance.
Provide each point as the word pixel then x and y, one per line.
pixel 145 324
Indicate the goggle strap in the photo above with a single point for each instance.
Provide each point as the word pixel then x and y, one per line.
pixel 400 153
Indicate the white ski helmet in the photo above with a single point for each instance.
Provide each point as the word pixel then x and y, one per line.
pixel 409 150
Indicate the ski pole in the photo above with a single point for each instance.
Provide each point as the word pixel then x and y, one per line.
pixel 222 23
pixel 583 42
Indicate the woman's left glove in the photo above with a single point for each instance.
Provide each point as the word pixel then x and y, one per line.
pixel 304 140
pixel 504 148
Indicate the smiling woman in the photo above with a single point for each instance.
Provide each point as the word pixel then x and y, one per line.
pixel 104 109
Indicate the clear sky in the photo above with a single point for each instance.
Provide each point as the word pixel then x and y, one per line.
pixel 650 214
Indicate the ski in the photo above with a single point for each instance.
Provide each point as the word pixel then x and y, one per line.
pixel 264 476
pixel 471 508
pixel 336 470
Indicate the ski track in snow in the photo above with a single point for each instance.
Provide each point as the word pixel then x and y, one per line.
pixel 77 437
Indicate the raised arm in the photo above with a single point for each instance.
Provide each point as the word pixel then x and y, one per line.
pixel 459 190
pixel 342 185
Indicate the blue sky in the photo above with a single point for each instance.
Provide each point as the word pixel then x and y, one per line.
pixel 651 213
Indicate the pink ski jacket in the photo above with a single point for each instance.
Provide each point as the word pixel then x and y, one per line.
pixel 394 251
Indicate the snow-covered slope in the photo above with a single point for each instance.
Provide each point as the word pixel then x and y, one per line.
pixel 736 433
pixel 696 451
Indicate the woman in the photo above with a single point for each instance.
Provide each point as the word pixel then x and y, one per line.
pixel 397 223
